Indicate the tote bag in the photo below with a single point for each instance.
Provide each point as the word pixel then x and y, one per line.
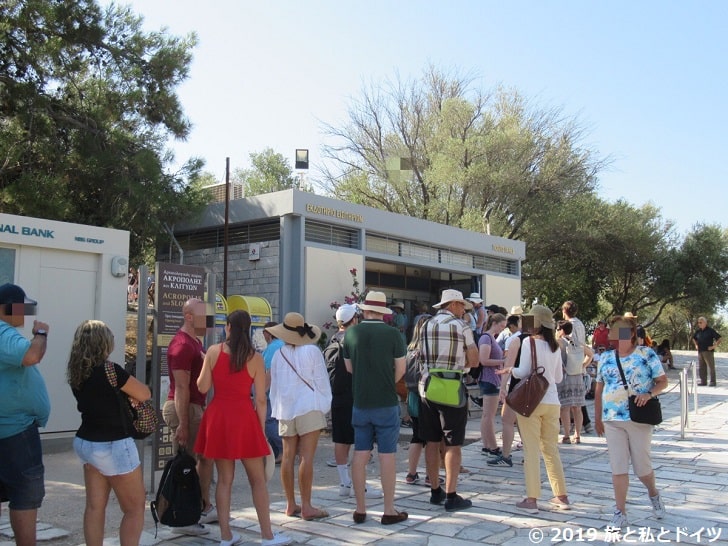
pixel 529 391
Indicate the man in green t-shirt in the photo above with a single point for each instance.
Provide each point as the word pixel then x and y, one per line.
pixel 374 353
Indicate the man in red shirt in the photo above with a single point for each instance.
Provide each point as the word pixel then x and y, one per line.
pixel 183 409
pixel 601 335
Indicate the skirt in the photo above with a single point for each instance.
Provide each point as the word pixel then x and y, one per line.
pixel 571 390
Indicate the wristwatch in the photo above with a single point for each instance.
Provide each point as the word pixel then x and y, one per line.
pixel 40 332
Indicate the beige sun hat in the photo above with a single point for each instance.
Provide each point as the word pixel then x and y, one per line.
pixel 450 295
pixel 376 302
pixel 398 304
pixel 295 331
pixel 474 297
pixel 542 316
pixel 516 310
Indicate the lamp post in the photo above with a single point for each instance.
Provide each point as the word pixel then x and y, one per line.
pixel 301 164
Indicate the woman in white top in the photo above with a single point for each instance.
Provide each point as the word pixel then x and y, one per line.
pixel 300 397
pixel 540 431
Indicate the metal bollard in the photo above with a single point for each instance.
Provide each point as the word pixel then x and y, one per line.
pixel 683 402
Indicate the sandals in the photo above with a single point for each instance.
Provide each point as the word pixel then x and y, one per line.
pixel 577 440
pixel 566 440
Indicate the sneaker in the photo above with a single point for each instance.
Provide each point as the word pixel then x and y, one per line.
pixel 194 530
pixel 619 520
pixel 477 401
pixel 658 507
pixel 528 506
pixel 412 478
pixel 371 492
pixel 588 429
pixel 279 539
pixel 492 452
pixel 457 503
pixel 500 460
pixel 428 484
pixel 519 446
pixel 437 496
pixel 235 540
pixel 210 516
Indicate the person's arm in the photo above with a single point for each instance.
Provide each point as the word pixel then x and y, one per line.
pixel 182 404
pixel 136 390
pixel 716 341
pixel 471 356
pixel 256 367
pixel 399 367
pixel 588 356
pixel 598 423
pixel 38 345
pixel 481 319
pixel 348 366
pixel 204 382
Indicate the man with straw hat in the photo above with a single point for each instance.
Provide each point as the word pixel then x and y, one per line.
pixel 375 353
pixel 449 344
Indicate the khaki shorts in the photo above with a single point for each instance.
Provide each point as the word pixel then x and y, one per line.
pixel 303 424
pixel 629 440
pixel 169 414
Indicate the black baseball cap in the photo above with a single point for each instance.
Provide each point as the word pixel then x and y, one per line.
pixel 12 297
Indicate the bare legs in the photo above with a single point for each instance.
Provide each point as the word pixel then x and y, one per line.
pixel 129 490
pixel 305 446
pixel 487 422
pixel 23 524
pixel 255 469
pixel 620 482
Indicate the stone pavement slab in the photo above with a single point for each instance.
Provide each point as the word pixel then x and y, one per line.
pixel 691 474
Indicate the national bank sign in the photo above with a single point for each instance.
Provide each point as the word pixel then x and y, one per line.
pixel 27 231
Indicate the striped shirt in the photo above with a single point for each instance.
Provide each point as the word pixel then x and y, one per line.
pixel 448 339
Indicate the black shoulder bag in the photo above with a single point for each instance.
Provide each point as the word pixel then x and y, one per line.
pixel 650 413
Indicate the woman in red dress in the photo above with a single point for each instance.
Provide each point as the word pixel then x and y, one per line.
pixel 232 428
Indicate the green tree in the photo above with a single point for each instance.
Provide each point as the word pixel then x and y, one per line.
pixel 88 101
pixel 270 172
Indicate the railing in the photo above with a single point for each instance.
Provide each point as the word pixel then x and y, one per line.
pixel 688 385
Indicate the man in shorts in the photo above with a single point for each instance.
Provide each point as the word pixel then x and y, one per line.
pixel 185 403
pixel 24 407
pixel 375 353
pixel 449 344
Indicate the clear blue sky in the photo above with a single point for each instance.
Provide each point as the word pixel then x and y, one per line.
pixel 646 79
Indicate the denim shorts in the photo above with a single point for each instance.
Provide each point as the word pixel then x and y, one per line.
pixel 380 423
pixel 488 389
pixel 109 458
pixel 21 469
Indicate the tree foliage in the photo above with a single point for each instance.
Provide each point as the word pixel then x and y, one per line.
pixel 437 149
pixel 88 101
pixel 270 171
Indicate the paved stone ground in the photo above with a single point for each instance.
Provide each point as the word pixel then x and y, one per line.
pixel 691 474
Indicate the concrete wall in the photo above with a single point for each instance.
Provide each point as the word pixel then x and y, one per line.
pixel 245 277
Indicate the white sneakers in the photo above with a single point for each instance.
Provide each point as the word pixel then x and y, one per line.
pixel 619 520
pixel 279 539
pixel 371 492
pixel 210 516
pixel 658 507
pixel 236 539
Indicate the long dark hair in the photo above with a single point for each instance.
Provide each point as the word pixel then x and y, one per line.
pixel 548 336
pixel 241 348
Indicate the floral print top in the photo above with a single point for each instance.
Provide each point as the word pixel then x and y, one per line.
pixel 640 369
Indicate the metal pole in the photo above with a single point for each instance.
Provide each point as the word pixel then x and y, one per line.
pixel 225 237
pixel 683 402
pixel 694 366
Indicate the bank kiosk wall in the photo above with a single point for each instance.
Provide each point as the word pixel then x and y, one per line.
pixel 75 272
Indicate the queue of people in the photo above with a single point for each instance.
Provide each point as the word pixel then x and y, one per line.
pixel 292 388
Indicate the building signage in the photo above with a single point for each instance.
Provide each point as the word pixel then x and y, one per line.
pixel 175 284
pixel 334 213
pixel 504 249
pixel 27 231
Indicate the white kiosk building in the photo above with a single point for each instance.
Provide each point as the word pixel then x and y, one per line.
pixel 75 272
pixel 298 249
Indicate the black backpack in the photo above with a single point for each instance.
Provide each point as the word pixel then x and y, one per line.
pixel 339 378
pixel 179 498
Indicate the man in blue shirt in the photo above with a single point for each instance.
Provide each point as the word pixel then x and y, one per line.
pixel 24 406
